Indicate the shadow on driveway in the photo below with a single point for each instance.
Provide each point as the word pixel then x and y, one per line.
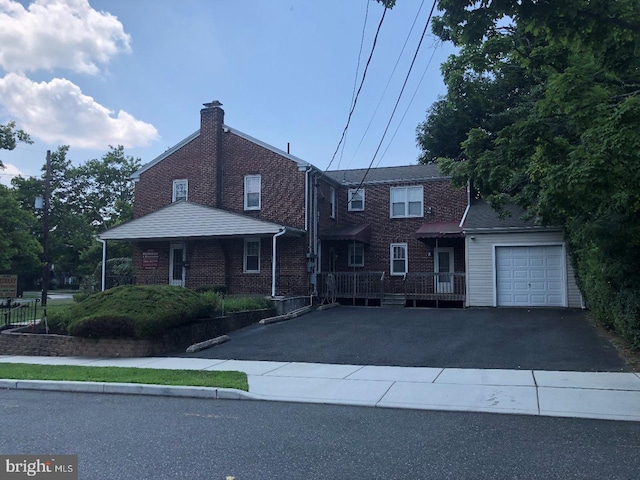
pixel 536 339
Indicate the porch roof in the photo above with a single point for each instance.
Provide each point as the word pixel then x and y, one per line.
pixel 439 230
pixel 355 232
pixel 183 219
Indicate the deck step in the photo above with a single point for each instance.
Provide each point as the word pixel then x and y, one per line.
pixel 393 301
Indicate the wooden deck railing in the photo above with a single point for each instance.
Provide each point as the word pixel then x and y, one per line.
pixel 367 285
pixel 434 286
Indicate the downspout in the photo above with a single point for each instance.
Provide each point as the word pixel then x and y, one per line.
pixel 104 263
pixel 306 198
pixel 315 236
pixel 273 261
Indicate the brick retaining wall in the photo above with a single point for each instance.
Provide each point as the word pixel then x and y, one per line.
pixel 19 341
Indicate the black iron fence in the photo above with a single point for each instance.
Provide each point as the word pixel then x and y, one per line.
pixel 18 311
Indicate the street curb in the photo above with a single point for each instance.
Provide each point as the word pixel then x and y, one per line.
pixel 127 389
pixel 287 316
pixel 196 347
pixel 327 306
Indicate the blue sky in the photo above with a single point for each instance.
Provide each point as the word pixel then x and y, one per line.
pixel 94 73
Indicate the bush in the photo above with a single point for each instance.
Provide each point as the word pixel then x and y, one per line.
pixel 132 311
pixel 240 304
pixel 221 289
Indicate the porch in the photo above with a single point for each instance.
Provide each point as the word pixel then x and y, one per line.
pixel 414 289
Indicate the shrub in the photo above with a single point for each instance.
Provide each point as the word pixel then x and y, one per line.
pixel 240 304
pixel 132 311
pixel 221 289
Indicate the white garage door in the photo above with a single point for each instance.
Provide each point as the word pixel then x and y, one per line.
pixel 530 276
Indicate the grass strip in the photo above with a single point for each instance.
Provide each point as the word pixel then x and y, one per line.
pixel 152 376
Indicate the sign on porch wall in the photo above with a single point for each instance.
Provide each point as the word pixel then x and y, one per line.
pixel 150 259
pixel 8 286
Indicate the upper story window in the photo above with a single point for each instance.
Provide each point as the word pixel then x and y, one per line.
pixel 356 200
pixel 180 190
pixel 332 203
pixel 356 255
pixel 252 186
pixel 406 202
pixel 251 255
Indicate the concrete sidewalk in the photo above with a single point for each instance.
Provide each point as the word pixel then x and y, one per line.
pixel 603 395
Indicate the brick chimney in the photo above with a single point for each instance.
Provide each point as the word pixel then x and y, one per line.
pixel 211 121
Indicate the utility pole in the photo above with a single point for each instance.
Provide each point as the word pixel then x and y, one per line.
pixel 46 268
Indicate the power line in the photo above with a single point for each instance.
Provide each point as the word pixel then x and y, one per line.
pixel 424 31
pixel 355 101
pixel 355 79
pixel 408 106
pixel 389 81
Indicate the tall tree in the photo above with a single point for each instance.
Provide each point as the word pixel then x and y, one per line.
pixel 9 138
pixel 85 200
pixel 557 131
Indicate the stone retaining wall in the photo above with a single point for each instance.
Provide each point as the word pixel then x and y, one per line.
pixel 18 341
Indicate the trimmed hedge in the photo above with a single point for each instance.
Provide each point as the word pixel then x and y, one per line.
pixel 134 311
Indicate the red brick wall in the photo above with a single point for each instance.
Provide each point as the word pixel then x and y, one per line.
pixel 447 204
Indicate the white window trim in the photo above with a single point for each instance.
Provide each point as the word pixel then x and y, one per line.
pixel 332 202
pixel 186 189
pixel 391 259
pixel 352 191
pixel 244 256
pixel 246 192
pixel 406 202
pixel 350 255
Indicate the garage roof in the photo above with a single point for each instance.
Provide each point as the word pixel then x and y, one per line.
pixel 482 217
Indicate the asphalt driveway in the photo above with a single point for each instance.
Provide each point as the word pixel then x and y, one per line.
pixel 536 339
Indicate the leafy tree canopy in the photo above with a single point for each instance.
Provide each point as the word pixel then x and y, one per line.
pixel 543 110
pixel 9 138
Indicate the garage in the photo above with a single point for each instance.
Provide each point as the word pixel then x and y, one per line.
pixel 530 276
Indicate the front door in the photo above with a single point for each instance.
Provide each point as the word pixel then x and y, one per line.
pixel 176 265
pixel 444 270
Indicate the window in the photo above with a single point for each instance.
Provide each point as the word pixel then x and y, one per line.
pixel 332 202
pixel 356 255
pixel 398 258
pixel 180 188
pixel 252 192
pixel 406 202
pixel 252 256
pixel 356 200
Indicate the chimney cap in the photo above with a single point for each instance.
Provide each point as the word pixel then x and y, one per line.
pixel 213 104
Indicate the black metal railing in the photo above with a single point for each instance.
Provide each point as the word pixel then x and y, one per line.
pixel 18 311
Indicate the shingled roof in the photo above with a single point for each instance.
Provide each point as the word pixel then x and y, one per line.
pixel 482 217
pixel 386 174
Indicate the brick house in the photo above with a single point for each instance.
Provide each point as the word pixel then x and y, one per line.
pixel 224 208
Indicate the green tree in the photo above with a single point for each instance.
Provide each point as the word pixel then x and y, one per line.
pixel 557 131
pixel 85 200
pixel 9 138
pixel 19 250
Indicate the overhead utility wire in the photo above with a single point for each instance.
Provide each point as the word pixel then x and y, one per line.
pixel 355 101
pixel 355 79
pixel 389 81
pixel 409 105
pixel 399 95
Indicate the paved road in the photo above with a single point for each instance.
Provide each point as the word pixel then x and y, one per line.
pixel 128 437
pixel 537 339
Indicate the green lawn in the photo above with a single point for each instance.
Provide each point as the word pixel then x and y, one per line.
pixel 196 378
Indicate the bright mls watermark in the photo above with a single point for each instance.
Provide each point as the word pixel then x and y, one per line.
pixel 50 467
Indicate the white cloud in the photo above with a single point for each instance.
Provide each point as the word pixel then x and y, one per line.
pixel 58 34
pixel 10 171
pixel 58 112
